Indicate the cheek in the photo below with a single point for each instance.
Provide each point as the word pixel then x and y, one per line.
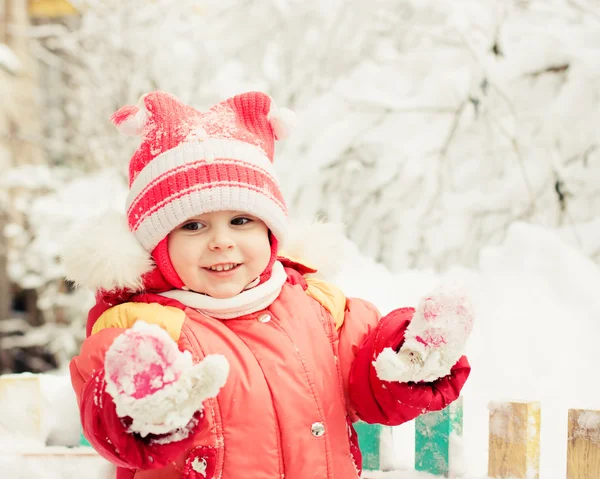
pixel 178 252
pixel 263 249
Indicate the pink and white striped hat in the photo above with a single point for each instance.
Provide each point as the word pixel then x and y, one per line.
pixel 192 162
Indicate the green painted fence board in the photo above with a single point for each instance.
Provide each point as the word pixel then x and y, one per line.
pixel 82 440
pixel 433 436
pixel 369 440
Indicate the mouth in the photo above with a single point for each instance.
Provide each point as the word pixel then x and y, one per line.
pixel 222 267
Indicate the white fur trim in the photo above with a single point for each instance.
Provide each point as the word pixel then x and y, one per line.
pixel 222 198
pixel 282 121
pixel 318 245
pixel 208 149
pixel 390 366
pixel 103 254
pixel 410 366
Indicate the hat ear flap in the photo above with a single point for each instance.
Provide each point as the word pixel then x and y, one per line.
pixel 103 253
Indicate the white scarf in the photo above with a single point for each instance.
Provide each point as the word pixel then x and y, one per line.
pixel 248 301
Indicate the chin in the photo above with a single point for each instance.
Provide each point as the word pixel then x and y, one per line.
pixel 224 294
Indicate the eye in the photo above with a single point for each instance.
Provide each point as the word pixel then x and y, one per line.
pixel 193 226
pixel 240 221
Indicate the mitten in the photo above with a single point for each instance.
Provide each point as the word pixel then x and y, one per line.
pixel 155 384
pixel 433 342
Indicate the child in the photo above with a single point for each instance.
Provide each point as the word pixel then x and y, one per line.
pixel 209 355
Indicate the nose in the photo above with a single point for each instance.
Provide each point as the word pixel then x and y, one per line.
pixel 221 240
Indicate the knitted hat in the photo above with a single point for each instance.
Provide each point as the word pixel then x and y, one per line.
pixel 189 163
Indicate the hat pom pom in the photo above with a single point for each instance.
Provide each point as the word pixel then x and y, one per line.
pixel 282 122
pixel 130 120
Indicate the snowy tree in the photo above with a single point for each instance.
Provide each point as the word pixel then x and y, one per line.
pixel 425 127
pixel 20 124
pixel 469 116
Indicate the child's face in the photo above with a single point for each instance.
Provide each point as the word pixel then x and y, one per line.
pixel 220 253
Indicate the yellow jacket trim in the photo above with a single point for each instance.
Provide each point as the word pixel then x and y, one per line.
pixel 330 297
pixel 125 315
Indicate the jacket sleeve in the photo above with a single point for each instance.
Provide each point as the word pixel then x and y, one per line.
pixel 106 432
pixel 384 402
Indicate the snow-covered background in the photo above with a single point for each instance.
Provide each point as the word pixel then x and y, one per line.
pixel 426 127
pixel 454 140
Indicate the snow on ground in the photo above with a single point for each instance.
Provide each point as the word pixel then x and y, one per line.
pixel 537 306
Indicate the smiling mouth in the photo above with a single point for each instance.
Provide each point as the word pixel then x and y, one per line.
pixel 223 267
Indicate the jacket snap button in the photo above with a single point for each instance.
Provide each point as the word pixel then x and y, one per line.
pixel 264 318
pixel 317 429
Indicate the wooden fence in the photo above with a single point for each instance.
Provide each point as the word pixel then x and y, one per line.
pixel 514 442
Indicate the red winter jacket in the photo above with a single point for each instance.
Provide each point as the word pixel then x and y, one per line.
pixel 299 377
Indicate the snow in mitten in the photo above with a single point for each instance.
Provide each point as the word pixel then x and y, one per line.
pixel 434 341
pixel 155 384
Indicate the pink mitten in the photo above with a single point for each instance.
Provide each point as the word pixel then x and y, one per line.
pixel 155 384
pixel 434 341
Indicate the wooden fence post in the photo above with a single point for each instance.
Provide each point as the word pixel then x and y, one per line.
pixel 514 440
pixel 22 409
pixel 583 447
pixel 438 441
